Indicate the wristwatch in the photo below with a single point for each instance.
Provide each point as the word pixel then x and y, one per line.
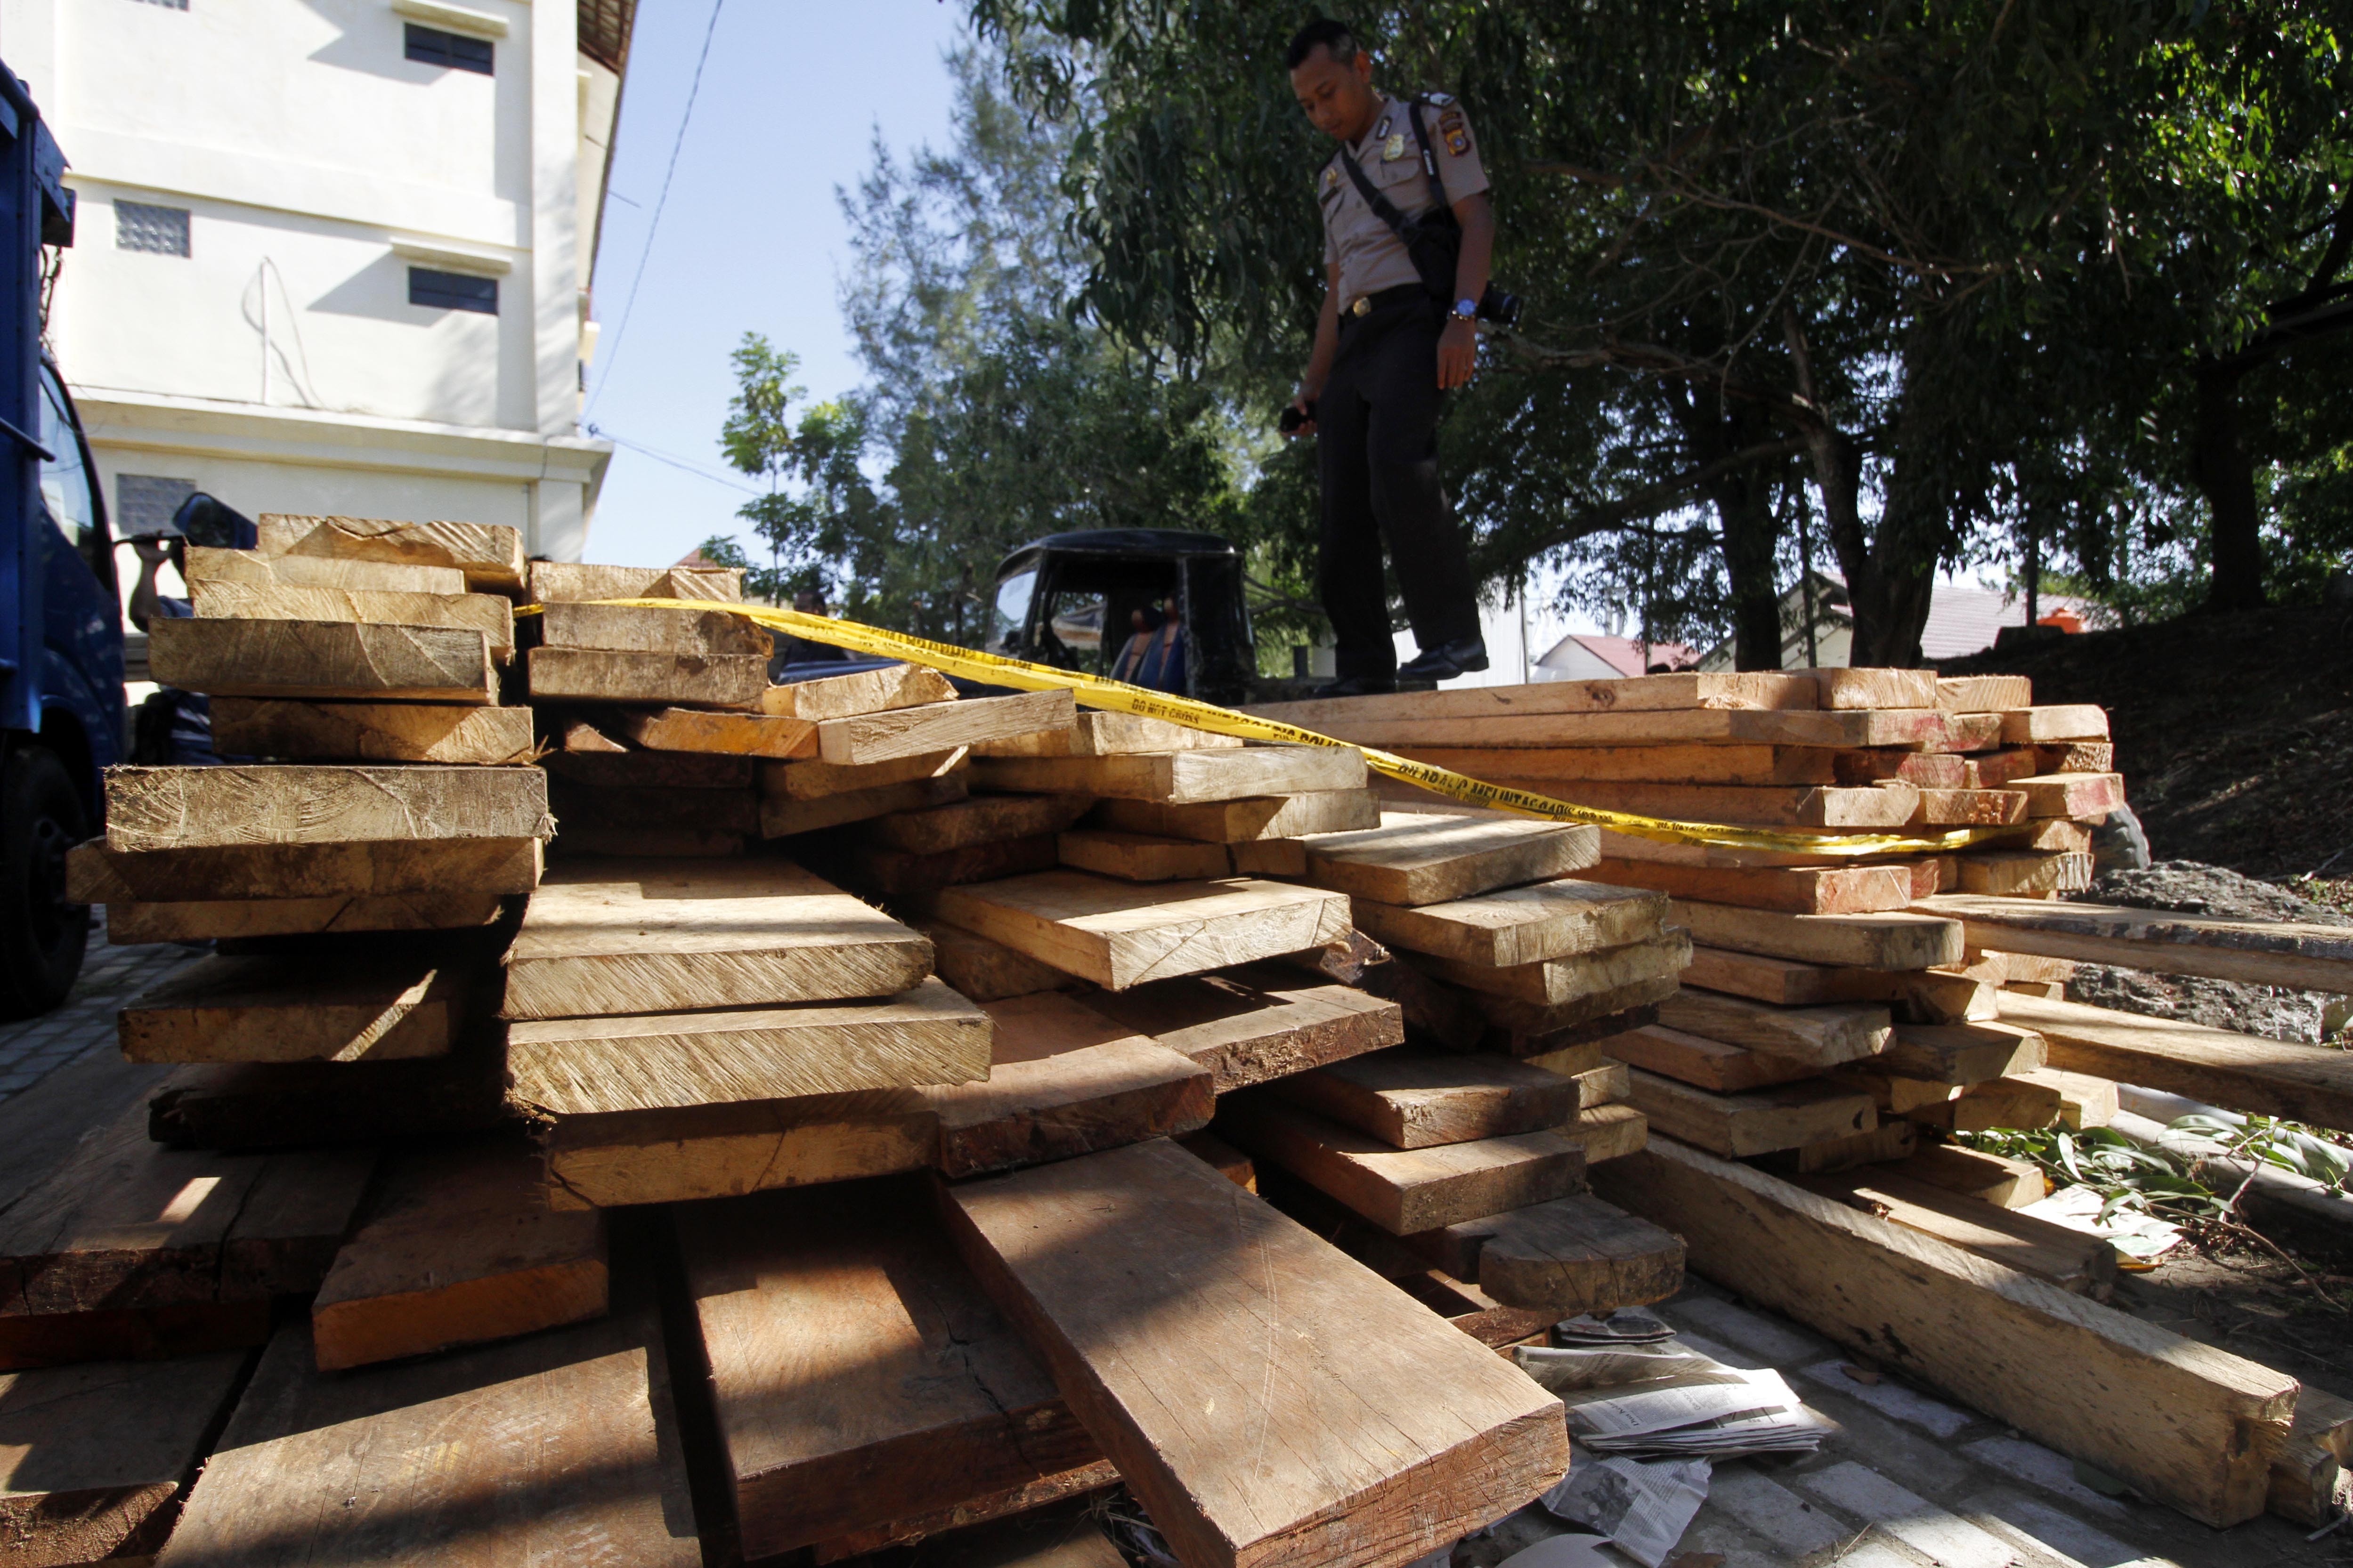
pixel 1466 310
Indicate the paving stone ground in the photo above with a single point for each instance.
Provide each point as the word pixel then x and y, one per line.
pixel 1912 1479
pixel 31 1049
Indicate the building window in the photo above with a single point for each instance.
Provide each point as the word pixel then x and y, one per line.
pixel 452 291
pixel 162 230
pixel 144 503
pixel 432 47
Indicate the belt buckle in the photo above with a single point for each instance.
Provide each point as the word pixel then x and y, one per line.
pixel 1363 307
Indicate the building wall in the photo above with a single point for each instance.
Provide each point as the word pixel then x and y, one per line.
pixel 279 363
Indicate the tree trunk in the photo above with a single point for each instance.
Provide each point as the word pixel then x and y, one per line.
pixel 1744 510
pixel 2225 475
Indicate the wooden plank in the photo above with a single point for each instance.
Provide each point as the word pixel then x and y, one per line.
pixel 1991 1178
pixel 1413 860
pixel 1788 890
pixel 986 971
pixel 1244 821
pixel 459 1250
pixel 1609 1132
pixel 2073 721
pixel 247 1106
pixel 2083 1101
pixel 622 769
pixel 1256 1023
pixel 896 872
pixel 625 938
pixel 1995 1104
pixel 679 1154
pixel 1728 764
pixel 1883 807
pixel 1873 688
pixel 1100 734
pixel 1414 1099
pixel 1222 1157
pixel 2309 1470
pixel 2184 1424
pixel 604 675
pixel 97 873
pixel 1179 778
pixel 732 734
pixel 1970 807
pixel 251 568
pixel 384 1006
pixel 526 1451
pixel 579 735
pixel 1531 1028
pixel 320 661
pixel 940 726
pixel 93 1457
pixel 2078 795
pixel 845 1344
pixel 1640 693
pixel 492 614
pixel 1064 1079
pixel 1891 1140
pixel 1755 1122
pixel 1016 1507
pixel 815 780
pixel 134 1335
pixel 1119 934
pixel 1844 731
pixel 1984 693
pixel 927 1034
pixel 1138 858
pixel 557 582
pixel 1785 981
pixel 638 628
pixel 2162 942
pixel 864 691
pixel 783 818
pixel 2073 757
pixel 371 731
pixel 1819 1037
pixel 2268 1078
pixel 1571 1254
pixel 1560 980
pixel 1404 1190
pixel 1961 1053
pixel 1518 925
pixel 128 925
pixel 1704 1063
pixel 1893 1095
pixel 1971 733
pixel 1921 770
pixel 2083 1265
pixel 1996 873
pixel 122 1222
pixel 1308 1436
pixel 207 807
pixel 490 555
pixel 983 819
pixel 1886 941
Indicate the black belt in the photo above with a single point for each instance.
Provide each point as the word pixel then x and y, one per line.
pixel 1365 304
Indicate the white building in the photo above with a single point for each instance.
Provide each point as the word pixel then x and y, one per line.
pixel 333 256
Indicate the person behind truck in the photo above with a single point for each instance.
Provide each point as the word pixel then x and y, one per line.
pixel 1397 328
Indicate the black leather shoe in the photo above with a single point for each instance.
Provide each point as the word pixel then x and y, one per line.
pixel 1447 660
pixel 1357 686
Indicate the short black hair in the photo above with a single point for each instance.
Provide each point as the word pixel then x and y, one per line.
pixel 1322 32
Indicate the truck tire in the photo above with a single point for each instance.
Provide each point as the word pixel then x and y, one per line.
pixel 42 937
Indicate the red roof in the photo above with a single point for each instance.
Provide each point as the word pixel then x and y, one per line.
pixel 1626 655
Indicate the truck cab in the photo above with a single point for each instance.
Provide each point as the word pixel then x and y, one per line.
pixel 61 700
pixel 1069 600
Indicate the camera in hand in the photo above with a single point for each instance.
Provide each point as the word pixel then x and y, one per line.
pixel 1498 308
pixel 1292 418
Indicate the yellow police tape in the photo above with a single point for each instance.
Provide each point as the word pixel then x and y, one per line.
pixel 1122 698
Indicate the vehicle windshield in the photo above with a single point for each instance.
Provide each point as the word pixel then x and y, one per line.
pixel 1009 616
pixel 66 487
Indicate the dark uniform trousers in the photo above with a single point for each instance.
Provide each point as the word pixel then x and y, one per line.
pixel 1376 439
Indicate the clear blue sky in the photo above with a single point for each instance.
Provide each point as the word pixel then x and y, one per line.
pixel 750 239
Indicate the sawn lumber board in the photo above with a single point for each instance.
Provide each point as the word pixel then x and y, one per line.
pixel 320 661
pixel 210 808
pixel 490 555
pixel 1255 1023
pixel 2258 952
pixel 1119 934
pixel 1413 860
pixel 371 731
pixel 2241 1072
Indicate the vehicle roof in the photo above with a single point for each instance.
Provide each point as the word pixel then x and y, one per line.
pixel 1123 542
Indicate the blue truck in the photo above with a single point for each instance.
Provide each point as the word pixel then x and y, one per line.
pixel 62 722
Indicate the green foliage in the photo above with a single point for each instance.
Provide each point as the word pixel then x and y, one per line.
pixel 819 505
pixel 2129 1175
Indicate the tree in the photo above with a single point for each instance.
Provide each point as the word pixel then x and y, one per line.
pixel 819 504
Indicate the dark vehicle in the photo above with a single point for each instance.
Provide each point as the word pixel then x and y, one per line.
pixel 1070 600
pixel 61 719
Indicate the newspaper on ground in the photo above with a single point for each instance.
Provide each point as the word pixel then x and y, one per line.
pixel 2131 1232
pixel 1671 1402
pixel 1641 1509
pixel 1561 1552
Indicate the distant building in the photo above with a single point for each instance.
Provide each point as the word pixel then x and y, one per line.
pixel 1578 656
pixel 333 256
pixel 1961 620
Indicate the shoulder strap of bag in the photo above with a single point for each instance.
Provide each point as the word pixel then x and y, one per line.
pixel 1428 161
pixel 1383 209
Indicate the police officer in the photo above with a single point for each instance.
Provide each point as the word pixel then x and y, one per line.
pixel 1388 342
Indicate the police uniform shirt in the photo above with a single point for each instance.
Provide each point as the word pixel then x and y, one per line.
pixel 1370 255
